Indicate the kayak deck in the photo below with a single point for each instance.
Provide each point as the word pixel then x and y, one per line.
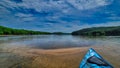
pixel 93 60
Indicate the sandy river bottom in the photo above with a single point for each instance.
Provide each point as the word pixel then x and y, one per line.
pixel 54 58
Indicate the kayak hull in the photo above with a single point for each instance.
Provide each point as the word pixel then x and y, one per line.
pixel 93 60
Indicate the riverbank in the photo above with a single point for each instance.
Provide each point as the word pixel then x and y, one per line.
pixel 62 58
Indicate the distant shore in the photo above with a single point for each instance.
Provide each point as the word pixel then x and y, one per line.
pixel 98 31
pixel 12 31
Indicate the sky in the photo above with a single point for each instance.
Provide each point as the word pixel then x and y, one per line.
pixel 59 15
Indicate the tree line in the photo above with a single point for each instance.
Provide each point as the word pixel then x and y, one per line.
pixel 10 31
pixel 99 31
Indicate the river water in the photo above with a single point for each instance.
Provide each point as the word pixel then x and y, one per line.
pixel 49 42
pixel 57 41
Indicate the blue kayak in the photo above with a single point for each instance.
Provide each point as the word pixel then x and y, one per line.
pixel 93 60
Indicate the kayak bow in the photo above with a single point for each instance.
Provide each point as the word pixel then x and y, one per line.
pixel 93 60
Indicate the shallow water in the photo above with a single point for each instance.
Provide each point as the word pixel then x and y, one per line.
pixel 10 44
pixel 57 41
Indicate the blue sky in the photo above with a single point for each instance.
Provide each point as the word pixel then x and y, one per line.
pixel 59 15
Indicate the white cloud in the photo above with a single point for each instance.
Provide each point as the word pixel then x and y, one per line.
pixel 89 4
pixel 23 15
pixel 28 19
pixel 65 9
pixel 62 5
pixel 108 24
pixel 114 18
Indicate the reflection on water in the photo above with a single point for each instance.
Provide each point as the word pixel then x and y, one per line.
pixel 57 41
pixel 51 42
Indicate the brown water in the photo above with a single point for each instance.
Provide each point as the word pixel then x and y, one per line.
pixel 12 46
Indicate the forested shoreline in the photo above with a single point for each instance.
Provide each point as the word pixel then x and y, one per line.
pixel 99 31
pixel 94 31
pixel 11 31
